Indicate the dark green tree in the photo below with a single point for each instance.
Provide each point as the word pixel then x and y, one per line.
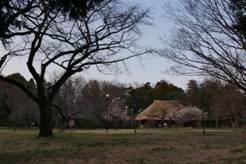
pixel 4 108
pixel 12 10
pixel 193 93
pixel 238 8
pixel 22 110
pixel 139 98
pixel 167 91
pixel 20 79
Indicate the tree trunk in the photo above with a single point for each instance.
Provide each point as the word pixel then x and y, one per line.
pixel 237 122
pixel 203 124
pixel 231 119
pixel 216 122
pixel 45 121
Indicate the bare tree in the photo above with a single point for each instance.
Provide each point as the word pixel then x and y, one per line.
pixel 55 41
pixel 117 112
pixel 188 114
pixel 229 104
pixel 68 101
pixel 207 41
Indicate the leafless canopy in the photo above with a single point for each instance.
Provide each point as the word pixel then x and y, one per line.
pixel 206 42
pixel 49 39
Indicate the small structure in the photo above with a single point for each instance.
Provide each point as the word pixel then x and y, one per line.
pixel 160 113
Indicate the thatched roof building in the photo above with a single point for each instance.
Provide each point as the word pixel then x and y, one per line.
pixel 160 110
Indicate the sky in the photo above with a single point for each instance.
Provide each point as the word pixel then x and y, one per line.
pixel 149 68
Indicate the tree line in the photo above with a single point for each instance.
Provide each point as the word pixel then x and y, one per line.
pixel 85 102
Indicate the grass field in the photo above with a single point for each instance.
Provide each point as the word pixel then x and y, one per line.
pixel 123 146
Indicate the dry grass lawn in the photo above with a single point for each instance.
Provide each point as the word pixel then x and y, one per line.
pixel 122 146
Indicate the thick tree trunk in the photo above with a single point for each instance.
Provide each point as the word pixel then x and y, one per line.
pixel 45 121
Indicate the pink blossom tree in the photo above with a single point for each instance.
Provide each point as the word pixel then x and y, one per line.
pixel 116 112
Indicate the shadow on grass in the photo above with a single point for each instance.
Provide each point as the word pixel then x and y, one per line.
pixel 14 157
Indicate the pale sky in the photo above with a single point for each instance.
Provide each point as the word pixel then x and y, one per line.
pixel 149 69
pixel 152 68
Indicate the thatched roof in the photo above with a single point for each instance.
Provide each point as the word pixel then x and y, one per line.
pixel 160 109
